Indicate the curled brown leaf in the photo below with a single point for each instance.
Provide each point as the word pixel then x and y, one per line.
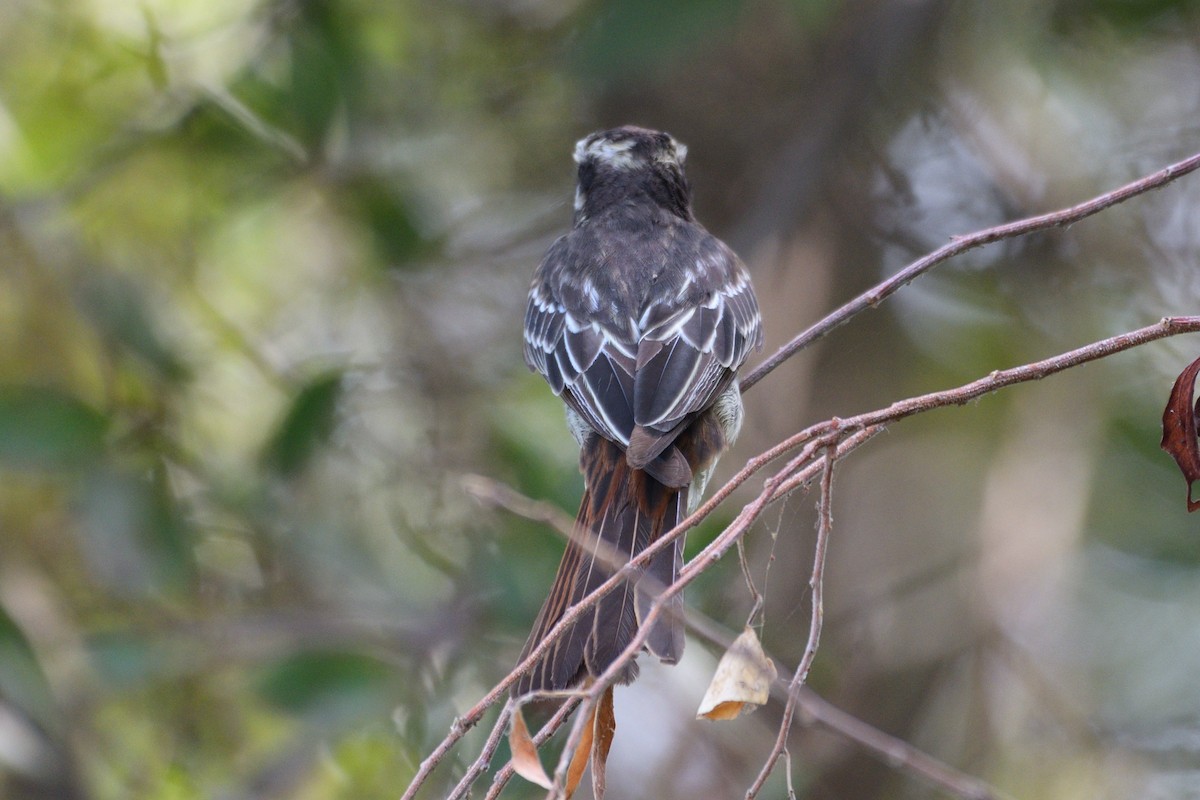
pixel 581 756
pixel 742 681
pixel 1179 428
pixel 605 728
pixel 525 759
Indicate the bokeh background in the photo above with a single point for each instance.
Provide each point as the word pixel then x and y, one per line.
pixel 262 273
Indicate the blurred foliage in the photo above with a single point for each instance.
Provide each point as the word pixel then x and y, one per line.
pixel 262 271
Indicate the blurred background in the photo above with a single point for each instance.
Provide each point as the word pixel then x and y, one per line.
pixel 262 274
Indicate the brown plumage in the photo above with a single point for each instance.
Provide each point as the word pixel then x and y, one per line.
pixel 626 510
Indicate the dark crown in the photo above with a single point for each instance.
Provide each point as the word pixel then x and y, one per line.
pixel 631 164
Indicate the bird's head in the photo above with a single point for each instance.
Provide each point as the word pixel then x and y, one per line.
pixel 631 164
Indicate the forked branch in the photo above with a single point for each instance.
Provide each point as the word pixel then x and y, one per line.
pixel 820 445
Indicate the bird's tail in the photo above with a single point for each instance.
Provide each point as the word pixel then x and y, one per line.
pixel 623 511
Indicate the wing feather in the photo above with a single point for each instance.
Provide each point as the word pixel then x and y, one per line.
pixel 653 346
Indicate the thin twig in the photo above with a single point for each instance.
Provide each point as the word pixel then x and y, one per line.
pixel 496 493
pixel 458 729
pixel 824 528
pixel 866 300
pixel 865 425
pixel 737 528
pixel 999 379
pixel 868 424
pixel 463 788
pixel 961 244
pixel 504 775
pixel 755 594
pixel 787 763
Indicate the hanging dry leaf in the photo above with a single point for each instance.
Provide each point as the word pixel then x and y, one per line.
pixel 1179 428
pixel 605 729
pixel 579 759
pixel 524 752
pixel 742 681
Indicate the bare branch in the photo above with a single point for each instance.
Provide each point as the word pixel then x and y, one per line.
pixel 549 729
pixel 458 729
pixel 844 435
pixel 1167 326
pixel 495 493
pixel 862 427
pixel 854 431
pixel 959 245
pixel 463 788
pixel 824 527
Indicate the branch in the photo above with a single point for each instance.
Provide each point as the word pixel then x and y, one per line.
pixel 846 435
pixel 999 379
pixel 463 788
pixel 737 528
pixel 961 244
pixel 893 751
pixel 824 526
pixel 853 432
pixel 872 422
pixel 549 729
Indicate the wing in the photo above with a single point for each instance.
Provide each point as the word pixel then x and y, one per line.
pixel 587 359
pixel 638 334
pixel 689 352
pixel 686 349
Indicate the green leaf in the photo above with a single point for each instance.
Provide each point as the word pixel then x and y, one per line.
pixel 306 426
pixel 43 428
pixel 326 682
pixel 323 75
pixel 118 308
pixel 133 533
pixel 391 220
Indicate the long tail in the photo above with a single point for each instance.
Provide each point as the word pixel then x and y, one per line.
pixel 625 509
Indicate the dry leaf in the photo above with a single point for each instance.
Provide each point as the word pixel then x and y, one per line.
pixel 605 729
pixel 525 759
pixel 742 681
pixel 1179 428
pixel 579 759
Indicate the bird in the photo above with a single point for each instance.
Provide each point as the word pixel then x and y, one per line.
pixel 638 319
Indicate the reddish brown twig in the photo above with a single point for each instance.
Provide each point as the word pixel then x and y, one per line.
pixel 959 245
pixel 863 427
pixel 855 431
pixel 738 527
pixel 463 787
pixel 835 432
pixel 824 527
pixel 549 729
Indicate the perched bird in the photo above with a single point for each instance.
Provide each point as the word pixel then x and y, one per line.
pixel 639 319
